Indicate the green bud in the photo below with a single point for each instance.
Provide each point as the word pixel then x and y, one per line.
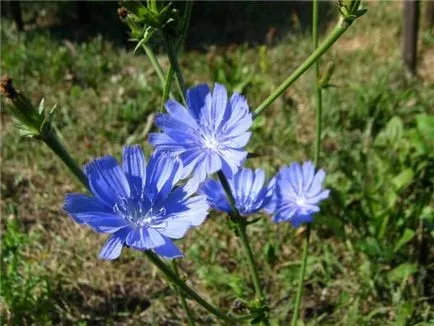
pixel 31 122
pixel 20 107
pixel 350 9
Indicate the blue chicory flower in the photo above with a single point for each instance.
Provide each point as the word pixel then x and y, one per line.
pixel 298 193
pixel 138 203
pixel 209 135
pixel 248 188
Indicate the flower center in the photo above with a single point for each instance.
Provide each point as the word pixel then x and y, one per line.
pixel 300 201
pixel 210 143
pixel 139 212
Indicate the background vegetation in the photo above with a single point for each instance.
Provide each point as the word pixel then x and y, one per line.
pixel 372 261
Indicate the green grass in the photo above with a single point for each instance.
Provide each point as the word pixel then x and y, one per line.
pixel 370 261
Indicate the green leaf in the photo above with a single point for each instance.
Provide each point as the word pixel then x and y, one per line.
pixel 391 134
pixel 403 179
pixel 401 272
pixel 425 126
pixel 406 237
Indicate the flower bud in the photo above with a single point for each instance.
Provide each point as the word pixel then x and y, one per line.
pixel 350 9
pixel 30 121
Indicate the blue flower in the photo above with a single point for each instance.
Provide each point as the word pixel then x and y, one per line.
pixel 207 136
pixel 298 193
pixel 248 188
pixel 137 204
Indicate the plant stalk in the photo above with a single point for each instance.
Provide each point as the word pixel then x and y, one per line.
pixel 318 116
pixel 335 34
pixel 172 53
pixel 241 229
pixel 53 141
pixel 181 295
pixel 172 277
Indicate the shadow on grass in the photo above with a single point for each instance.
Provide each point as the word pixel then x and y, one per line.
pixel 213 22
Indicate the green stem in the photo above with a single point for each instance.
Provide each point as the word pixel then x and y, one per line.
pixel 336 33
pixel 172 277
pixel 184 303
pixel 301 279
pixel 154 61
pixel 318 115
pixel 172 53
pixel 241 228
pixel 167 86
pixel 53 141
pixel 187 16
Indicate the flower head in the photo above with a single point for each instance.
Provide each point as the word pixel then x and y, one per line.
pixel 298 193
pixel 138 203
pixel 207 136
pixel 248 188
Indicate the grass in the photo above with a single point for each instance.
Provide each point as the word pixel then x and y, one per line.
pixel 370 262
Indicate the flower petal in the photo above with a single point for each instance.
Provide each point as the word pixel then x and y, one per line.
pixel 163 172
pixel 168 250
pixel 134 166
pixel 215 195
pixel 113 246
pixel 218 105
pixel 196 99
pixel 144 238
pixel 174 228
pixel 178 112
pixel 79 203
pixel 102 222
pixel 107 180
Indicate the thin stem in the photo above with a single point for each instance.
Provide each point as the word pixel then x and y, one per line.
pixel 154 61
pixel 241 228
pixel 336 33
pixel 318 89
pixel 53 141
pixel 184 303
pixel 187 16
pixel 167 86
pixel 228 191
pixel 318 115
pixel 301 279
pixel 172 53
pixel 172 277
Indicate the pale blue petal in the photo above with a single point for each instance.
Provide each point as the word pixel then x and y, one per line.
pixel 134 166
pixel 102 222
pixel 79 203
pixel 141 238
pixel 107 180
pixel 296 221
pixel 174 228
pixel 317 183
pixel 113 246
pixel 308 174
pixel 168 250
pixel 196 99
pixel 321 196
pixel 216 195
pixel 178 112
pixel 163 172
pixel 218 104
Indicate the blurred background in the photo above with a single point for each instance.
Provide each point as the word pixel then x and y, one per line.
pixel 371 260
